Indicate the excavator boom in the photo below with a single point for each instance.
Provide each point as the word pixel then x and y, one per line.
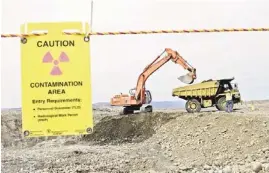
pixel 164 57
pixel 139 95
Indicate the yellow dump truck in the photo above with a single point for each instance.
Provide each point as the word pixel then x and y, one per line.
pixel 208 93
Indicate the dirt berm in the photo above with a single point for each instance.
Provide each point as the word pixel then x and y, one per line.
pixel 164 141
pixel 130 128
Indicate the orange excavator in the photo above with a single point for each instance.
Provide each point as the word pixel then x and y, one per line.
pixel 140 98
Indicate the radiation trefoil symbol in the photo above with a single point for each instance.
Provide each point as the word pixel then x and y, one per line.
pixel 56 69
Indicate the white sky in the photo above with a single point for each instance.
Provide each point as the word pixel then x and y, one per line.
pixel 118 60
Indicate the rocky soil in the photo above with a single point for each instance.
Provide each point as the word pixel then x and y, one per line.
pixel 163 141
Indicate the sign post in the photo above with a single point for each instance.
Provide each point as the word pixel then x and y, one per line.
pixel 56 80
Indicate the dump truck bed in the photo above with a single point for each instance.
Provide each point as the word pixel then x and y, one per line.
pixel 205 88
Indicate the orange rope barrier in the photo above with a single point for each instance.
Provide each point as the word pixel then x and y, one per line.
pixel 21 35
pixel 146 32
pixel 172 31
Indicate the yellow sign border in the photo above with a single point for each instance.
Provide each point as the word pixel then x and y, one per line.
pixel 54 31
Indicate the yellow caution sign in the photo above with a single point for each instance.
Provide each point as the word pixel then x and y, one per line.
pixel 56 80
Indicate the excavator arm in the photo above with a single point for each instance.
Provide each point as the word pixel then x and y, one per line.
pixel 166 55
pixel 139 95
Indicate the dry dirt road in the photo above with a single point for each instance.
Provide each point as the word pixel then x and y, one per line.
pixel 163 141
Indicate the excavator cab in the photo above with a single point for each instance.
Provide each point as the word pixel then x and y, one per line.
pixel 148 97
pixel 132 91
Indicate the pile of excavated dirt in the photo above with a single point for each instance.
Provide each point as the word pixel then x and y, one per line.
pixel 11 125
pixel 164 141
pixel 213 141
pixel 11 136
pixel 131 128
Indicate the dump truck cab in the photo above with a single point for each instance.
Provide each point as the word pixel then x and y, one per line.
pixel 224 85
pixel 208 93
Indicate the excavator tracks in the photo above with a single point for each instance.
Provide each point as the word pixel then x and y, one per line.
pixel 130 109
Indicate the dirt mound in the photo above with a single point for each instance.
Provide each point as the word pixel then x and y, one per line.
pixel 214 140
pixel 165 141
pixel 11 125
pixel 109 128
pixel 131 128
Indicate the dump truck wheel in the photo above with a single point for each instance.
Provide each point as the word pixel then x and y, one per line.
pixel 221 104
pixel 193 106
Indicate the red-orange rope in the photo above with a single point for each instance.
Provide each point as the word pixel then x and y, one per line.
pixel 147 32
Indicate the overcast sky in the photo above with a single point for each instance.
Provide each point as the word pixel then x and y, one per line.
pixel 118 60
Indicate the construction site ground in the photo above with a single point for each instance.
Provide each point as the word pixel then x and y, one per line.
pixel 162 141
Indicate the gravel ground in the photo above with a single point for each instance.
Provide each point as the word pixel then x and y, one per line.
pixel 164 141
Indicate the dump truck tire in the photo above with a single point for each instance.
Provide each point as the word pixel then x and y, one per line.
pixel 221 104
pixel 193 106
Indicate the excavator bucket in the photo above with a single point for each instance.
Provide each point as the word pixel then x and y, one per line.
pixel 187 79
